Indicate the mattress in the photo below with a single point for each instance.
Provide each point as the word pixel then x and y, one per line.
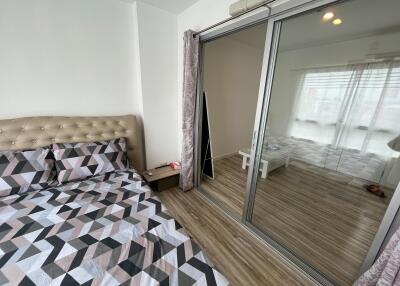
pixel 107 230
pixel 351 162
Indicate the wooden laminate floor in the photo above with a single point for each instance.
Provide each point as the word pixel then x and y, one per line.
pixel 324 217
pixel 240 257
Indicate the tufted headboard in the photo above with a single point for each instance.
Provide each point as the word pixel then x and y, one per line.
pixel 34 132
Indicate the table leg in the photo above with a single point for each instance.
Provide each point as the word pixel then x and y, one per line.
pixel 244 162
pixel 287 161
pixel 264 170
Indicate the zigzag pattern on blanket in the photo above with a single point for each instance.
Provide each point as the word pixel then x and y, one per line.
pixel 107 230
pixel 21 171
pixel 77 161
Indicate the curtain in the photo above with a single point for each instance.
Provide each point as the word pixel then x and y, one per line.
pixel 370 118
pixel 354 110
pixel 318 103
pixel 386 269
pixel 353 107
pixel 190 71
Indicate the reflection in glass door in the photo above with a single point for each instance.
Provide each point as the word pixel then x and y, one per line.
pixel 231 66
pixel 327 159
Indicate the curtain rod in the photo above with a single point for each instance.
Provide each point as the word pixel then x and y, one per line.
pixel 234 17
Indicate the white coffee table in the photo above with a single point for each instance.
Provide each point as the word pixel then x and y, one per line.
pixel 270 159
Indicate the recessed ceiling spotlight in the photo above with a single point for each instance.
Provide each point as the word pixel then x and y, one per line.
pixel 328 16
pixel 337 21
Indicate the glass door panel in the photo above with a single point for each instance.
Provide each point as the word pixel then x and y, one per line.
pixel 326 171
pixel 231 67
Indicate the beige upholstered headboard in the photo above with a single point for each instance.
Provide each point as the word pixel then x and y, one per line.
pixel 34 132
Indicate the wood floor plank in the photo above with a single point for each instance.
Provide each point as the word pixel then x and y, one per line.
pixel 326 218
pixel 242 258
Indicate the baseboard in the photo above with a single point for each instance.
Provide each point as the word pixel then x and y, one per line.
pixel 225 155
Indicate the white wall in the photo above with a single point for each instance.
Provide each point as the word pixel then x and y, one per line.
pixel 157 39
pixel 67 57
pixel 290 63
pixel 100 57
pixel 92 57
pixel 231 79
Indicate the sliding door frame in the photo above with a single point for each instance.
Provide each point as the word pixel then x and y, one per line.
pixel 255 18
pixel 265 90
pixel 274 18
pixel 392 212
pixel 271 42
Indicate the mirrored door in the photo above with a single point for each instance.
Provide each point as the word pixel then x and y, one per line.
pixel 327 166
pixel 231 79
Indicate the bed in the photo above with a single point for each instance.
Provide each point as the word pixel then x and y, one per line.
pixel 278 151
pixel 367 166
pixel 105 230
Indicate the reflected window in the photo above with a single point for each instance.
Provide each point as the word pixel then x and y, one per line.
pixel 354 107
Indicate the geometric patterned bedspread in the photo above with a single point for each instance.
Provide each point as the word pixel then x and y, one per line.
pixel 107 230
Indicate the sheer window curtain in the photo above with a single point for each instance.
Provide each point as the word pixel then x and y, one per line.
pixel 318 103
pixel 351 108
pixel 372 111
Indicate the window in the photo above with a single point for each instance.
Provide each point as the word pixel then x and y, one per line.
pixel 354 107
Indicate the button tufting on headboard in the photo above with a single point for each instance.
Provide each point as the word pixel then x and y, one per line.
pixel 34 132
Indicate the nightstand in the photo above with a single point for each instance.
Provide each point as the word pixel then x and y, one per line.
pixel 162 178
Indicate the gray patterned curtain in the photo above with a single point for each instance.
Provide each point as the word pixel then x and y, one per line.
pixel 386 269
pixel 191 62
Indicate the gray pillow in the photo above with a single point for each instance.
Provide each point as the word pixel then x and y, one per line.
pixel 22 171
pixel 77 161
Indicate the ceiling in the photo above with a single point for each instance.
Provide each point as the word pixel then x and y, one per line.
pixel 361 18
pixel 173 6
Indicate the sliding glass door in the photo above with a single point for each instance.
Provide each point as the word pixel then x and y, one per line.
pixel 299 134
pixel 231 79
pixel 326 164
